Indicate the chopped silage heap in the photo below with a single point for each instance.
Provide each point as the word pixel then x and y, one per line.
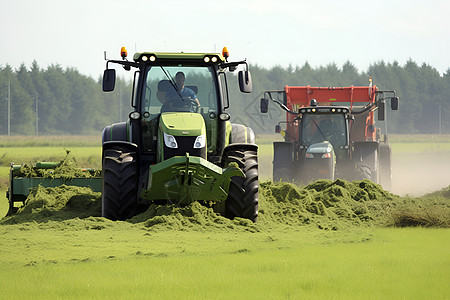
pixel 194 216
pixel 57 204
pixel 325 204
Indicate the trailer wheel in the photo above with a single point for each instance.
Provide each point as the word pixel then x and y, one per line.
pixel 119 188
pixel 243 193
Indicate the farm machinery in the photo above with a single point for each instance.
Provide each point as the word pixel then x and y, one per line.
pixel 330 133
pixel 178 145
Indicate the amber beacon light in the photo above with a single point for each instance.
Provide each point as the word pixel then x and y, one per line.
pixel 123 52
pixel 225 52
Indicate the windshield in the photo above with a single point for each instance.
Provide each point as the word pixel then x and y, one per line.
pixel 324 127
pixel 178 89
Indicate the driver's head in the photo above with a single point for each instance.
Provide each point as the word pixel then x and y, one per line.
pixel 179 80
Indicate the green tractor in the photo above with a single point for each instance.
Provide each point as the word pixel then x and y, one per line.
pixel 179 145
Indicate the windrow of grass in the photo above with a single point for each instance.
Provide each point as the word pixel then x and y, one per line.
pixel 324 204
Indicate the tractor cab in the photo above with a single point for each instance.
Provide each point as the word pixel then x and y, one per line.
pixel 324 124
pixel 173 94
pixel 175 97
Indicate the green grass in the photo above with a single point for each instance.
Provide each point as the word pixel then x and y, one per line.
pixel 86 156
pixel 416 148
pixel 51 141
pixel 419 138
pixel 130 263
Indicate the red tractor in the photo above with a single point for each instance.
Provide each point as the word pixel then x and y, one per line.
pixel 330 133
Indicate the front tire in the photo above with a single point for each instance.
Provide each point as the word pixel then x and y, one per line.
pixel 243 194
pixel 119 188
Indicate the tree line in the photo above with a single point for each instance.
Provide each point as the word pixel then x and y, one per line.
pixel 58 101
pixel 55 100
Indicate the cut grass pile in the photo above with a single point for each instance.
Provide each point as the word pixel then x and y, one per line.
pixel 325 205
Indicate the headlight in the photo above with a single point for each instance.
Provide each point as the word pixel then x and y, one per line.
pixel 170 141
pixel 200 142
pixel 309 155
pixel 135 115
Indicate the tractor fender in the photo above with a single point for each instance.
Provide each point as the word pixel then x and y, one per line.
pixel 242 134
pixel 116 132
pixel 122 144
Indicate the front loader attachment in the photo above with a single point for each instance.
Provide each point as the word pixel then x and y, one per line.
pixel 23 178
pixel 185 179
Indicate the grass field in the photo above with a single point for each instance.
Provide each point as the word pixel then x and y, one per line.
pixel 97 258
pixel 127 262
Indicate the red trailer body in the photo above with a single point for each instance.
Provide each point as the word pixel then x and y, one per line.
pixel 301 96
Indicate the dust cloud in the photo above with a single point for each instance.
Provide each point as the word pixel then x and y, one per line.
pixel 421 173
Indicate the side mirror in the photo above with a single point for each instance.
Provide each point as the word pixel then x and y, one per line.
pixel 109 80
pixel 245 81
pixel 264 105
pixel 394 103
pixel 381 111
pixel 277 129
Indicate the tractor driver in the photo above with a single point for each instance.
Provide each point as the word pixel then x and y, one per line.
pixel 320 128
pixel 186 93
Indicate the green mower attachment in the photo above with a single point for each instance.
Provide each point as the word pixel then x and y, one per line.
pixel 185 179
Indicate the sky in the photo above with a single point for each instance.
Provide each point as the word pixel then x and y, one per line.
pixel 267 33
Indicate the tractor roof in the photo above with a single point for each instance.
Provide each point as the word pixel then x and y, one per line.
pixel 180 57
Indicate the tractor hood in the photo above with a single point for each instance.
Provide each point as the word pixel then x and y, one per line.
pixel 323 147
pixel 182 124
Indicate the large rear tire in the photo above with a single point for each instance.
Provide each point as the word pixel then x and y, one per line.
pixel 243 194
pixel 367 162
pixel 385 155
pixel 119 188
pixel 282 174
